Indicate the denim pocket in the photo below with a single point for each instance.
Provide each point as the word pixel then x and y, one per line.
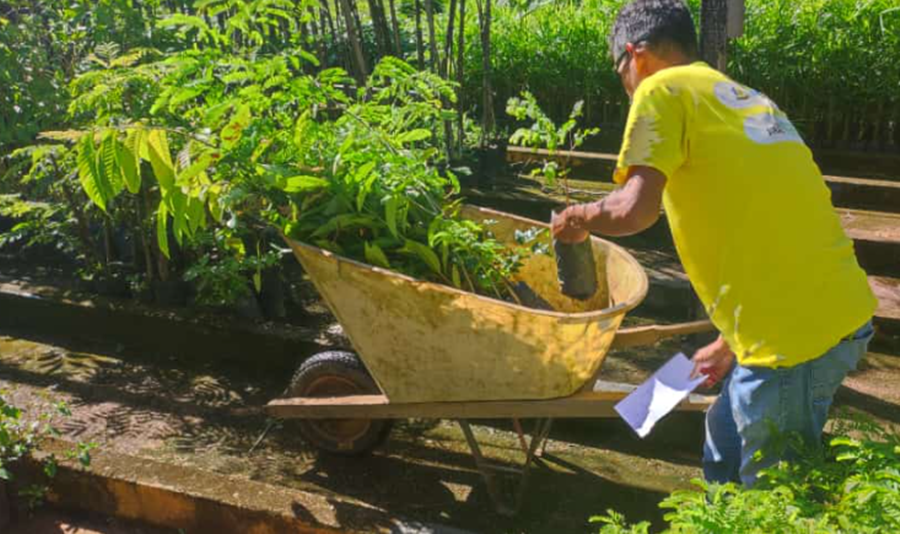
pixel 828 371
pixel 866 333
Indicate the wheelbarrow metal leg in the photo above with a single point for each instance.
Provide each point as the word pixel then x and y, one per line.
pixel 490 471
pixel 484 468
pixel 517 424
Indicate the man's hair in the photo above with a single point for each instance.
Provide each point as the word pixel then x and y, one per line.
pixel 661 23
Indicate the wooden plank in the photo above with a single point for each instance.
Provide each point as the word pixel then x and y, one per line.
pixel 583 404
pixel 650 335
pixel 866 193
pixel 887 290
pixel 874 226
pixel 519 154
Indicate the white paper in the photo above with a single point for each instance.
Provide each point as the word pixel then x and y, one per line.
pixel 661 393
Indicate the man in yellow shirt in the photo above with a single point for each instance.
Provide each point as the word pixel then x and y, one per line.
pixel 754 227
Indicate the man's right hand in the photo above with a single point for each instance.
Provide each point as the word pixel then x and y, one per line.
pixel 714 361
pixel 568 226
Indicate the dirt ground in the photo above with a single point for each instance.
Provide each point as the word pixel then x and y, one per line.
pixel 204 414
pixel 48 521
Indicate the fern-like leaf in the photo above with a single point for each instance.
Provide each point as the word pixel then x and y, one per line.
pixel 62 135
pixel 88 174
pixel 161 160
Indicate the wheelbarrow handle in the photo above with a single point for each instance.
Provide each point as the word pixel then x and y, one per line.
pixel 648 335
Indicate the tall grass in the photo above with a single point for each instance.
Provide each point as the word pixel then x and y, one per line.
pixel 833 65
pixel 558 51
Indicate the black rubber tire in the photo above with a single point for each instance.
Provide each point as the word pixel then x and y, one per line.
pixel 337 373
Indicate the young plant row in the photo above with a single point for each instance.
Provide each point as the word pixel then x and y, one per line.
pixel 227 139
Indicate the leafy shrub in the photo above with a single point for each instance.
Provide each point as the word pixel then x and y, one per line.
pixel 853 487
pixel 543 133
pixel 227 135
pixel 20 436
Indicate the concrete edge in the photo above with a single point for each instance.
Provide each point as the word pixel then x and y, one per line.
pixel 178 497
pixel 41 310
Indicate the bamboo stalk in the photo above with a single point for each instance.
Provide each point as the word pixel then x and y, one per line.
pixel 352 36
pixel 484 15
pixel 379 25
pixel 346 53
pixel 325 15
pixel 448 41
pixel 461 61
pixel 395 26
pixel 420 46
pixel 355 12
pixel 445 73
pixel 434 60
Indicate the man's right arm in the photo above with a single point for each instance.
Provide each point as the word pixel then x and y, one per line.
pixel 631 209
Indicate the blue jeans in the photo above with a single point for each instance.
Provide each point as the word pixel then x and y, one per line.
pixel 760 404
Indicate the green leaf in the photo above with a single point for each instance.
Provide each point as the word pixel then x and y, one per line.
pixel 161 160
pixel 232 131
pixel 425 254
pixel 213 204
pixel 303 131
pixel 5 474
pixel 110 172
pixel 162 224
pixel 180 19
pixel 50 468
pixel 364 190
pixel 456 280
pixel 390 215
pixel 411 136
pixel 304 184
pixel 236 245
pixel 183 95
pixel 195 169
pixel 363 171
pixel 257 281
pixel 309 57
pixel 129 161
pixel 345 221
pixel 215 113
pixel 88 172
pixel 347 143
pixel 178 204
pixel 376 256
pixel 195 215
pixel 257 276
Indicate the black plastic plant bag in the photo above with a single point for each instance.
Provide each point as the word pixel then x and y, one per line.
pixel 528 297
pixel 575 268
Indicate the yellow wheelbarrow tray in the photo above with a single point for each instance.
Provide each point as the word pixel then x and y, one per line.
pixel 434 351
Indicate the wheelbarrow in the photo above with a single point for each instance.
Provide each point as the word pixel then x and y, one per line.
pixel 426 350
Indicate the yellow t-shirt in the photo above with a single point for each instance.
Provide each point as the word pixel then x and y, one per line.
pixel 750 214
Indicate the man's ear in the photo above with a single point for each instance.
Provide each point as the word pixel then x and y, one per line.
pixel 642 58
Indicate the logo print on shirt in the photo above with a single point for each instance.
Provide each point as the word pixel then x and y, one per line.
pixel 737 96
pixel 768 128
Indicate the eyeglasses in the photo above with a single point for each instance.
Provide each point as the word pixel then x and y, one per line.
pixel 620 61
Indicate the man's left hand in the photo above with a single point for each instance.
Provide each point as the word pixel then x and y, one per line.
pixel 714 361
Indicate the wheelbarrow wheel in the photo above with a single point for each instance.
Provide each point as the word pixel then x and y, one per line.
pixel 337 374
